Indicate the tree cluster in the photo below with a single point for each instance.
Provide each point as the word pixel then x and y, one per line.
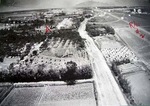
pixel 27 74
pixel 95 30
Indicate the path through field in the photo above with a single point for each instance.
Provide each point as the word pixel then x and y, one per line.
pixel 109 93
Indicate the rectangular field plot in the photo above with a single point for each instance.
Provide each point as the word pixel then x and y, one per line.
pixel 140 84
pixel 23 96
pixel 58 95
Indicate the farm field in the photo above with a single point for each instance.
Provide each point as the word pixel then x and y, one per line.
pixel 5 90
pixel 114 50
pixel 140 84
pixel 79 94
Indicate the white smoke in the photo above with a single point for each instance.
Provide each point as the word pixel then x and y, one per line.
pixel 66 23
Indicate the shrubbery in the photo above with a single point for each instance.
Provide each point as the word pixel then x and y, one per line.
pixel 124 84
pixel 125 61
pixel 115 69
pixel 109 29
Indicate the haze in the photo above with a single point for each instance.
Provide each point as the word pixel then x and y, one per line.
pixel 41 4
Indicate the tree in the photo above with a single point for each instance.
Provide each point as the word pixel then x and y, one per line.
pixel 124 83
pixel 40 72
pixel 69 76
pixel 115 69
pixel 34 52
pixel 1 58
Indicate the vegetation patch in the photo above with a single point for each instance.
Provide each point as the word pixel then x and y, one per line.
pixel 99 30
pixel 124 83
pixel 27 74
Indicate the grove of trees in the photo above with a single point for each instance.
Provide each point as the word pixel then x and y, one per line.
pixel 28 74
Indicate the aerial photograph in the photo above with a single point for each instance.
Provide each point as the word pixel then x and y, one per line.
pixel 74 52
